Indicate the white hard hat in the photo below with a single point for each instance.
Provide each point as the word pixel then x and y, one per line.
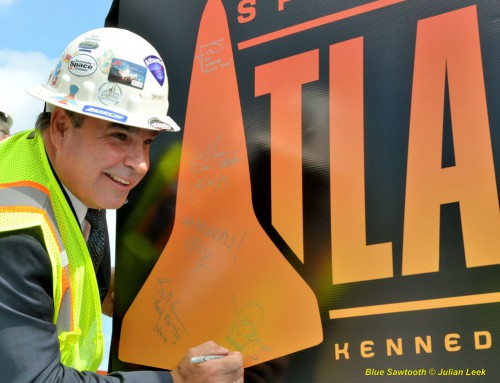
pixel 111 74
pixel 6 117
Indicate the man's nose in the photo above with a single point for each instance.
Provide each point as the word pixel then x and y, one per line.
pixel 138 159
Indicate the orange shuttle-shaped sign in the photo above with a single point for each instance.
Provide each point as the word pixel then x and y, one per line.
pixel 219 277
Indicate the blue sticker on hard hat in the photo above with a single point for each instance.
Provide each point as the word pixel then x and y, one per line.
pixel 155 66
pixel 82 65
pixel 54 76
pixel 127 73
pixel 104 113
pixel 69 99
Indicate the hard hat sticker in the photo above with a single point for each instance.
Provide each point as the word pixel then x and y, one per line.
pixel 155 66
pixel 109 93
pixel 105 61
pixel 82 65
pixel 127 73
pixel 88 46
pixel 157 124
pixel 104 113
pixel 54 76
pixel 69 99
pixel 152 96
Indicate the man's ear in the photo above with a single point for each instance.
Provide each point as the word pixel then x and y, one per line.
pixel 59 124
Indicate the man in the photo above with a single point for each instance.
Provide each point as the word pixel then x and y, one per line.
pixel 106 101
pixel 5 125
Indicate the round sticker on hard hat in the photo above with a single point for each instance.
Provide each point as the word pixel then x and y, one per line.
pixel 109 93
pixel 158 124
pixel 88 45
pixel 82 65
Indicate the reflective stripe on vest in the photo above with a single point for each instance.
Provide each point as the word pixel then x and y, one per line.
pixel 37 201
pixel 33 198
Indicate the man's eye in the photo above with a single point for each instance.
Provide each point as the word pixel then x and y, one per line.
pixel 120 136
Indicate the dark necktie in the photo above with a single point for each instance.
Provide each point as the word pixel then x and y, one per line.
pixel 97 237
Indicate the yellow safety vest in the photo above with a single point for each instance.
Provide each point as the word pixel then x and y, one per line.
pixel 30 196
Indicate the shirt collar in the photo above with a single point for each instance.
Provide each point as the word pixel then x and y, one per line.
pixel 79 207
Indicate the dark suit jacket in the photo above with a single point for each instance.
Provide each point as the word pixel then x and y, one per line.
pixel 29 346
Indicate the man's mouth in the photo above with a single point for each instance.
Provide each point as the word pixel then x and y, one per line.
pixel 118 179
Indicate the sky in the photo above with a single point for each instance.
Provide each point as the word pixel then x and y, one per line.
pixel 33 34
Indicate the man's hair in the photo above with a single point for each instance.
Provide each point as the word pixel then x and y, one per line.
pixel 43 120
pixel 4 124
pixel 4 128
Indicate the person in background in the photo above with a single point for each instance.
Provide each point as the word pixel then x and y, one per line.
pixel 105 103
pixel 6 122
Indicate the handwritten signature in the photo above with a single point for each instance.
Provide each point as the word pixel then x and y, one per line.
pixel 168 326
pixel 210 163
pixel 243 333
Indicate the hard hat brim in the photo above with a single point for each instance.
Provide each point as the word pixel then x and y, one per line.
pixel 151 122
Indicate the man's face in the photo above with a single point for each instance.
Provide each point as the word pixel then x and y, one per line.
pixel 101 161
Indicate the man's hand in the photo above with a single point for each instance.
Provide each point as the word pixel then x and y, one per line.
pixel 228 369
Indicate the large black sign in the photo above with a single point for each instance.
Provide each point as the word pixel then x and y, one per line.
pixel 373 154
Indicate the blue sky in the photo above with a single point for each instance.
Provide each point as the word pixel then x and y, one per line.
pixel 33 34
pixel 49 25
